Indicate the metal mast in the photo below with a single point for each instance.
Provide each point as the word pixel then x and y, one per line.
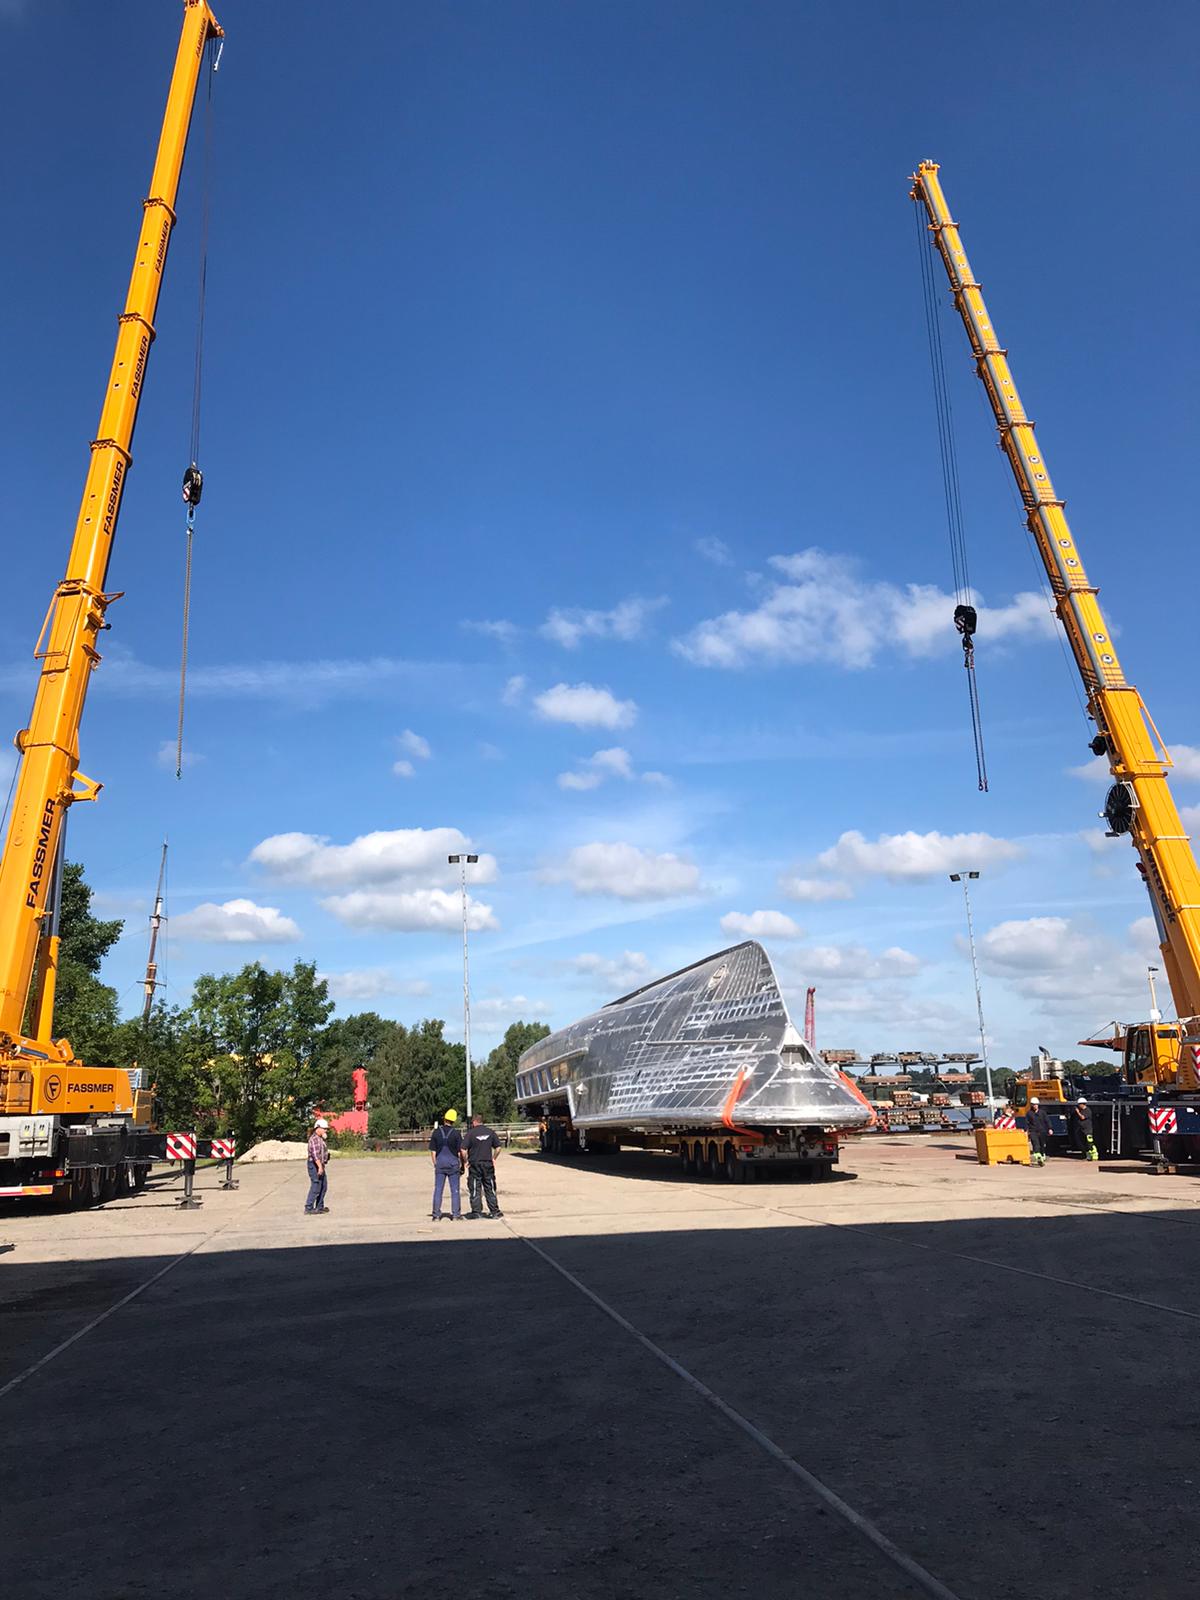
pixel 150 981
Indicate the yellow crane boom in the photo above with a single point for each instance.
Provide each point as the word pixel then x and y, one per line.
pixel 1139 802
pixel 49 781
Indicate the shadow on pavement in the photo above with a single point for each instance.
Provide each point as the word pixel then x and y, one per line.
pixel 396 1419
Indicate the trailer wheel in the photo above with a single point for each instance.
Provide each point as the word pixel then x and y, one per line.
pixel 140 1173
pixel 109 1184
pixel 712 1165
pixel 732 1169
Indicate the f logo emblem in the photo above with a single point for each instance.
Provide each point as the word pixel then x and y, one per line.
pixel 53 1086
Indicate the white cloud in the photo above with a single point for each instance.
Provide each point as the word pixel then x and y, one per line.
pixel 714 550
pixel 760 925
pixel 414 745
pixel 503 632
pixel 569 626
pixel 371 983
pixel 1190 817
pixel 373 858
pixel 494 1011
pixel 1034 944
pixel 514 688
pixel 585 707
pixel 614 763
pixel 821 609
pixel 811 891
pixel 404 769
pixel 235 922
pixel 580 780
pixel 1094 771
pixel 617 974
pixel 489 752
pixel 907 857
pixel 1061 963
pixel 167 755
pixel 298 682
pixel 409 910
pixel 624 871
pixel 1185 767
pixel 836 961
pixel 658 779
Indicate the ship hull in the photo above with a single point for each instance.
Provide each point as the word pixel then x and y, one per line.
pixel 712 1045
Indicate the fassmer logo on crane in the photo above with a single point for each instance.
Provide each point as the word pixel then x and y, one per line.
pixel 53 1086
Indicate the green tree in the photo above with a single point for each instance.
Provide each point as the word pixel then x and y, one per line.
pixel 495 1081
pixel 382 1122
pixel 85 1010
pixel 172 1052
pixel 365 1040
pixel 433 1076
pixel 261 1031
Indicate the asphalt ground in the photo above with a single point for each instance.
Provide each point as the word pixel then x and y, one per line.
pixel 635 1385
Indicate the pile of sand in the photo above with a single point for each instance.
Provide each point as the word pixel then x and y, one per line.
pixel 276 1150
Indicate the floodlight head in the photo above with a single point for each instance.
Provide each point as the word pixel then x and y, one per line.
pixel 956 877
pixel 972 874
pixel 472 858
pixel 453 860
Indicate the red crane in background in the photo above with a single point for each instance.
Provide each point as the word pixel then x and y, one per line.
pixel 810 1019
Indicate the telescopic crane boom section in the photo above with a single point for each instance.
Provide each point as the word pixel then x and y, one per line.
pixel 1140 802
pixel 50 781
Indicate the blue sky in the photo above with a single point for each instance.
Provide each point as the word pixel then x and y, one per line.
pixel 573 490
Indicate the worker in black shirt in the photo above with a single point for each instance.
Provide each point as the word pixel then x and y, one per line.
pixel 1081 1130
pixel 483 1144
pixel 1037 1126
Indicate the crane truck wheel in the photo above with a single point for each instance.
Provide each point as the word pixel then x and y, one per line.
pixel 731 1167
pixel 712 1167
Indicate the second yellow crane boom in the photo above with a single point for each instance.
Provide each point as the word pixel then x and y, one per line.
pixel 1140 802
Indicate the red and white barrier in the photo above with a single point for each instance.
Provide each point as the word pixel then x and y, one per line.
pixel 1163 1119
pixel 181 1147
pixel 1004 1119
pixel 222 1149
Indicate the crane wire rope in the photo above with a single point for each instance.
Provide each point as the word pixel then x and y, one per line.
pixel 965 617
pixel 193 478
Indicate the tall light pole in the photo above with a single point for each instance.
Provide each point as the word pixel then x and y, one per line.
pixel 962 877
pixel 462 862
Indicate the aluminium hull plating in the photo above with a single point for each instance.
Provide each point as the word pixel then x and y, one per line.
pixel 710 1045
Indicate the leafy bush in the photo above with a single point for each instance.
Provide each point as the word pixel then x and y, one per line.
pixel 383 1122
pixel 344 1139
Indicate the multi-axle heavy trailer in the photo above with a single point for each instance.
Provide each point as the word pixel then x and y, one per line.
pixel 66 1127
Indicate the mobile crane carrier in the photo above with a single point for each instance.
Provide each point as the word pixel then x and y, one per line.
pixel 66 1128
pixel 1155 1102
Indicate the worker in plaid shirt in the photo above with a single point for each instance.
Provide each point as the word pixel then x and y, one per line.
pixel 318 1161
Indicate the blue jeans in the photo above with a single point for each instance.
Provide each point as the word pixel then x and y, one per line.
pixel 440 1177
pixel 316 1188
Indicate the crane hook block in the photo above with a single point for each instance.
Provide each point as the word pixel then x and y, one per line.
pixel 193 485
pixel 966 621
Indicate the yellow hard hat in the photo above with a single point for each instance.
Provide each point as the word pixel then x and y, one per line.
pixel 451 1115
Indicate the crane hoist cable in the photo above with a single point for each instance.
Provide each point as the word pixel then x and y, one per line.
pixel 193 478
pixel 966 619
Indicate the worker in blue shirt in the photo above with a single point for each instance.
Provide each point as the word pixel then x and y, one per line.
pixel 446 1151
